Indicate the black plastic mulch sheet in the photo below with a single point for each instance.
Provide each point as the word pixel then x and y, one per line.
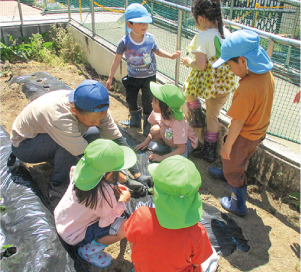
pixel 26 223
pixel 29 226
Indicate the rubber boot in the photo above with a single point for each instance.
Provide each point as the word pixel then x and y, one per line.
pixel 237 202
pixel 217 173
pixel 208 152
pixel 197 117
pixel 135 120
pixel 146 125
pixel 93 253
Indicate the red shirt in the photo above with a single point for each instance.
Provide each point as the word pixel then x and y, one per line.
pixel 157 249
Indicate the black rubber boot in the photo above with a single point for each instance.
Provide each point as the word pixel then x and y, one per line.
pixel 197 118
pixel 135 120
pixel 146 125
pixel 207 153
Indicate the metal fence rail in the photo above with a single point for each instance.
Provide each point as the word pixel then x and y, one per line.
pixel 173 27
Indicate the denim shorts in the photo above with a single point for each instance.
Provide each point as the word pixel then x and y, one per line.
pixel 94 232
pixel 188 150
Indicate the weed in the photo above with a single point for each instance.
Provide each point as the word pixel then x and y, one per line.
pixel 57 47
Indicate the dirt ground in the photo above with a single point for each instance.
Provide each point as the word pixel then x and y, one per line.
pixel 272 225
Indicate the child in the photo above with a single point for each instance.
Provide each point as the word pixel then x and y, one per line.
pixel 89 215
pixel 169 125
pixel 250 111
pixel 169 237
pixel 214 85
pixel 139 47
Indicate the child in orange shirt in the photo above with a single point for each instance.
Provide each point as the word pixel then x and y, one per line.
pixel 250 111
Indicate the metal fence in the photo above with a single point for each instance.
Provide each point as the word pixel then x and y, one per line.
pixel 278 24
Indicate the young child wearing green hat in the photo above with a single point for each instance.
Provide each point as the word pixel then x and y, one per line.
pixel 170 130
pixel 169 237
pixel 90 213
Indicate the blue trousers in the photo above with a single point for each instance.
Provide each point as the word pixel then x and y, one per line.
pixel 43 148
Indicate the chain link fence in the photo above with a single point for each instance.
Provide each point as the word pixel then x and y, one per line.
pixel 277 22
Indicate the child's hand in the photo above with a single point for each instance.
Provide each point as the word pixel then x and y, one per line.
pixel 186 61
pixel 141 146
pixel 176 55
pixel 155 157
pixel 108 84
pixel 297 97
pixel 225 151
pixel 125 196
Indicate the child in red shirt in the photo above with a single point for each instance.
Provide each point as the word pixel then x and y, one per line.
pixel 169 237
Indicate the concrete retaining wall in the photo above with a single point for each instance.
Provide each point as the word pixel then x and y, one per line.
pixel 22 31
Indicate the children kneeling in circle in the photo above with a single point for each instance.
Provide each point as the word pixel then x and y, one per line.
pixel 170 132
pixel 169 237
pixel 88 215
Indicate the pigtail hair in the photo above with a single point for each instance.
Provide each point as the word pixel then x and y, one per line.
pixel 210 9
pixel 219 18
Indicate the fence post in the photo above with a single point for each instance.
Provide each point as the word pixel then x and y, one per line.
pixel 287 61
pixel 177 69
pixel 231 10
pixel 126 5
pixel 270 48
pixel 20 12
pixel 93 18
pixel 69 10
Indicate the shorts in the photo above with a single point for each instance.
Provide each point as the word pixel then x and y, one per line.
pixel 95 231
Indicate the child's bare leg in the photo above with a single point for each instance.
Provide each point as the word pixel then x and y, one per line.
pixel 111 239
pixel 155 132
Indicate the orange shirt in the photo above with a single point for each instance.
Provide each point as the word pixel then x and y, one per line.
pixel 252 103
pixel 157 249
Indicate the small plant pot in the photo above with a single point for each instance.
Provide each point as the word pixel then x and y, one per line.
pixel 8 252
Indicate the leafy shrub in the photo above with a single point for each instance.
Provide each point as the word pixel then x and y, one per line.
pixel 56 47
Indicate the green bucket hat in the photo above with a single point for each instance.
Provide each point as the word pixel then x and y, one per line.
pixel 178 203
pixel 101 156
pixel 172 96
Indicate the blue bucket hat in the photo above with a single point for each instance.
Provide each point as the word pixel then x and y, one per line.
pixel 89 94
pixel 136 13
pixel 245 43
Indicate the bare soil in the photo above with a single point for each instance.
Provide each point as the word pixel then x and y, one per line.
pixel 272 225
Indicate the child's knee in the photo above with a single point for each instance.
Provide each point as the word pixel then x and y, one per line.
pixel 155 130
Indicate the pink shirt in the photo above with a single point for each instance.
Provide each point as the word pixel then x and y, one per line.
pixel 72 219
pixel 181 131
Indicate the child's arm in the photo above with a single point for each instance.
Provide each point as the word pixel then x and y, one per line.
pixel 144 144
pixel 114 67
pixel 232 135
pixel 199 63
pixel 180 150
pixel 297 98
pixel 164 54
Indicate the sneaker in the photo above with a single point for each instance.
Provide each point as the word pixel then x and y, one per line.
pixel 93 253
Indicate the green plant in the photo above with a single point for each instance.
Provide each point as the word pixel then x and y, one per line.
pixel 296 199
pixel 58 49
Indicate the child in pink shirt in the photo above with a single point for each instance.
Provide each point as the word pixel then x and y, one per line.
pixel 89 214
pixel 170 130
